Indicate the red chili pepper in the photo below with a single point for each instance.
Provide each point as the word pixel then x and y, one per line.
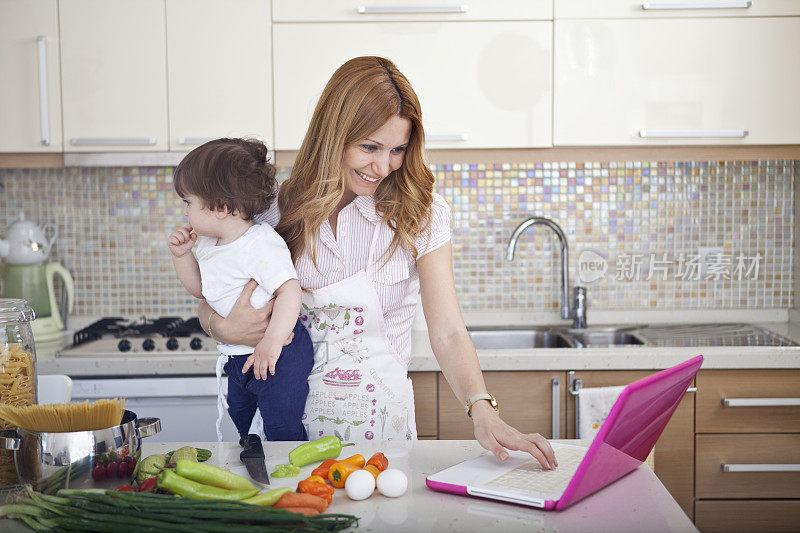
pixel 126 488
pixel 149 484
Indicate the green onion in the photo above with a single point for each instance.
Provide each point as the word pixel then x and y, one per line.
pixel 113 512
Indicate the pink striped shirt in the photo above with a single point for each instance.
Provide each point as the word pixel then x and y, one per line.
pixel 397 283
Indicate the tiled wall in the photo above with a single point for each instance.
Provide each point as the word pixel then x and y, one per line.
pixel 796 215
pixel 645 221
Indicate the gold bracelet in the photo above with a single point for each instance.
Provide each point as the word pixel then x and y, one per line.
pixel 211 333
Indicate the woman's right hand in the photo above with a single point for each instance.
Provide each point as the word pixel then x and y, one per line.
pixel 244 324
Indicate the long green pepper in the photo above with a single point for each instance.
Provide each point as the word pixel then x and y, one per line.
pixel 317 450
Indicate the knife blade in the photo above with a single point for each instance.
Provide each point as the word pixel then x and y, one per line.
pixel 253 458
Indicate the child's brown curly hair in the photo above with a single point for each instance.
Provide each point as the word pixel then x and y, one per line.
pixel 228 173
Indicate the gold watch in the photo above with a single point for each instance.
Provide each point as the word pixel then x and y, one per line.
pixel 478 397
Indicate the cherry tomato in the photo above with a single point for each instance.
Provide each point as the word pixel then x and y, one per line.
pixel 112 470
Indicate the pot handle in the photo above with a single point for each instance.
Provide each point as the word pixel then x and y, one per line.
pixel 9 440
pixel 147 427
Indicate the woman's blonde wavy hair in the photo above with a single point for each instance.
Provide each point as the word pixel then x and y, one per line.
pixel 361 96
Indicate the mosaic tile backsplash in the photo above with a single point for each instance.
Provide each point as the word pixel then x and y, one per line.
pixel 668 235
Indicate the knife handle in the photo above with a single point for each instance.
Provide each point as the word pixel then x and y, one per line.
pixel 252 447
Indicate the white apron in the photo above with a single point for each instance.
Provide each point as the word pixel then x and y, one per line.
pixel 357 389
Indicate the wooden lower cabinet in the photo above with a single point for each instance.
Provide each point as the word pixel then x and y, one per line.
pixel 674 456
pixel 425 403
pixel 525 399
pixel 746 516
pixel 748 420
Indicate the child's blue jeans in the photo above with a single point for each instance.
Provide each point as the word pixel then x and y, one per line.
pixel 281 398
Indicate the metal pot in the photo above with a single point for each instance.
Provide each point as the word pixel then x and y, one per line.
pixel 53 461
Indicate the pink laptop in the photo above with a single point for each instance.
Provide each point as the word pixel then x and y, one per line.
pixel 624 441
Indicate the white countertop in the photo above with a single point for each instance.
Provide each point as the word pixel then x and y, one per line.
pixel 422 359
pixel 637 502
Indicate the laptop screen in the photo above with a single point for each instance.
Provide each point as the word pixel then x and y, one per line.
pixel 631 429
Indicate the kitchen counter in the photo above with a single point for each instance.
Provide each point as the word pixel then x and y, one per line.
pixel 422 359
pixel 637 502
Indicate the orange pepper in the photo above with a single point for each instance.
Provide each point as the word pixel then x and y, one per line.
pixel 316 486
pixel 372 469
pixel 379 461
pixel 323 469
pixel 339 473
pixel 356 459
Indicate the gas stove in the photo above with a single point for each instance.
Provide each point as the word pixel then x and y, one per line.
pixel 140 337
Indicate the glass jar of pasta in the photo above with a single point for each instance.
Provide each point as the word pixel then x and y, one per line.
pixel 17 369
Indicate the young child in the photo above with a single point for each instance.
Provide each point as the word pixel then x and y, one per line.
pixel 224 184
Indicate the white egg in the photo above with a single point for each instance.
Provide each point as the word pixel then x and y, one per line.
pixel 359 485
pixel 392 483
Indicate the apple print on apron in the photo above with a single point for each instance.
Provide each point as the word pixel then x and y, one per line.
pixel 357 389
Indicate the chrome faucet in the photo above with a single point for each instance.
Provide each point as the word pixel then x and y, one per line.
pixel 578 312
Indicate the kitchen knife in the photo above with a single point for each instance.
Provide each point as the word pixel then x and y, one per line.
pixel 253 458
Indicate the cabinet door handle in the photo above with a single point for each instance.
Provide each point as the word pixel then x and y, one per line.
pixel 194 140
pixel 679 134
pixel 761 402
pixel 447 137
pixel 760 467
pixel 44 115
pixel 404 10
pixel 650 6
pixel 113 141
pixel 556 423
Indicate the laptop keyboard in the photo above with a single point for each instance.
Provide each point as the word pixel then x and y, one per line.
pixel 530 479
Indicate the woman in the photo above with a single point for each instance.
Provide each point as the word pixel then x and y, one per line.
pixel 366 233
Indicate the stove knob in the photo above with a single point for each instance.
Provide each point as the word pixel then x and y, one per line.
pixel 124 345
pixel 172 344
pixel 149 345
pixel 196 344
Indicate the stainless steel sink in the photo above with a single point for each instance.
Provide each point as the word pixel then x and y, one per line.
pixel 492 338
pixel 603 337
pixel 672 335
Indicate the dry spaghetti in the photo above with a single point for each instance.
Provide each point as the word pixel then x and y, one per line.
pixel 64 417
pixel 17 389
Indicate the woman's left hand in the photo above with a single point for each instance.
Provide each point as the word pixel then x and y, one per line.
pixel 495 435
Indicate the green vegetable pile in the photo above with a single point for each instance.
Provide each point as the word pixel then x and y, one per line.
pixel 113 512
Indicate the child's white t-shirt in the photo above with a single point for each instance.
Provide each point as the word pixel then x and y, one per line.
pixel 259 254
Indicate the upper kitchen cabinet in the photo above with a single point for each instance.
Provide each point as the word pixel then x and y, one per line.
pixel 676 81
pixel 30 120
pixel 402 10
pixel 114 73
pixel 480 84
pixel 219 70
pixel 674 9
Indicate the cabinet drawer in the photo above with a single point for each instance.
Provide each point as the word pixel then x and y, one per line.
pixel 747 515
pixel 758 389
pixel 425 403
pixel 402 10
pixel 747 466
pixel 673 9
